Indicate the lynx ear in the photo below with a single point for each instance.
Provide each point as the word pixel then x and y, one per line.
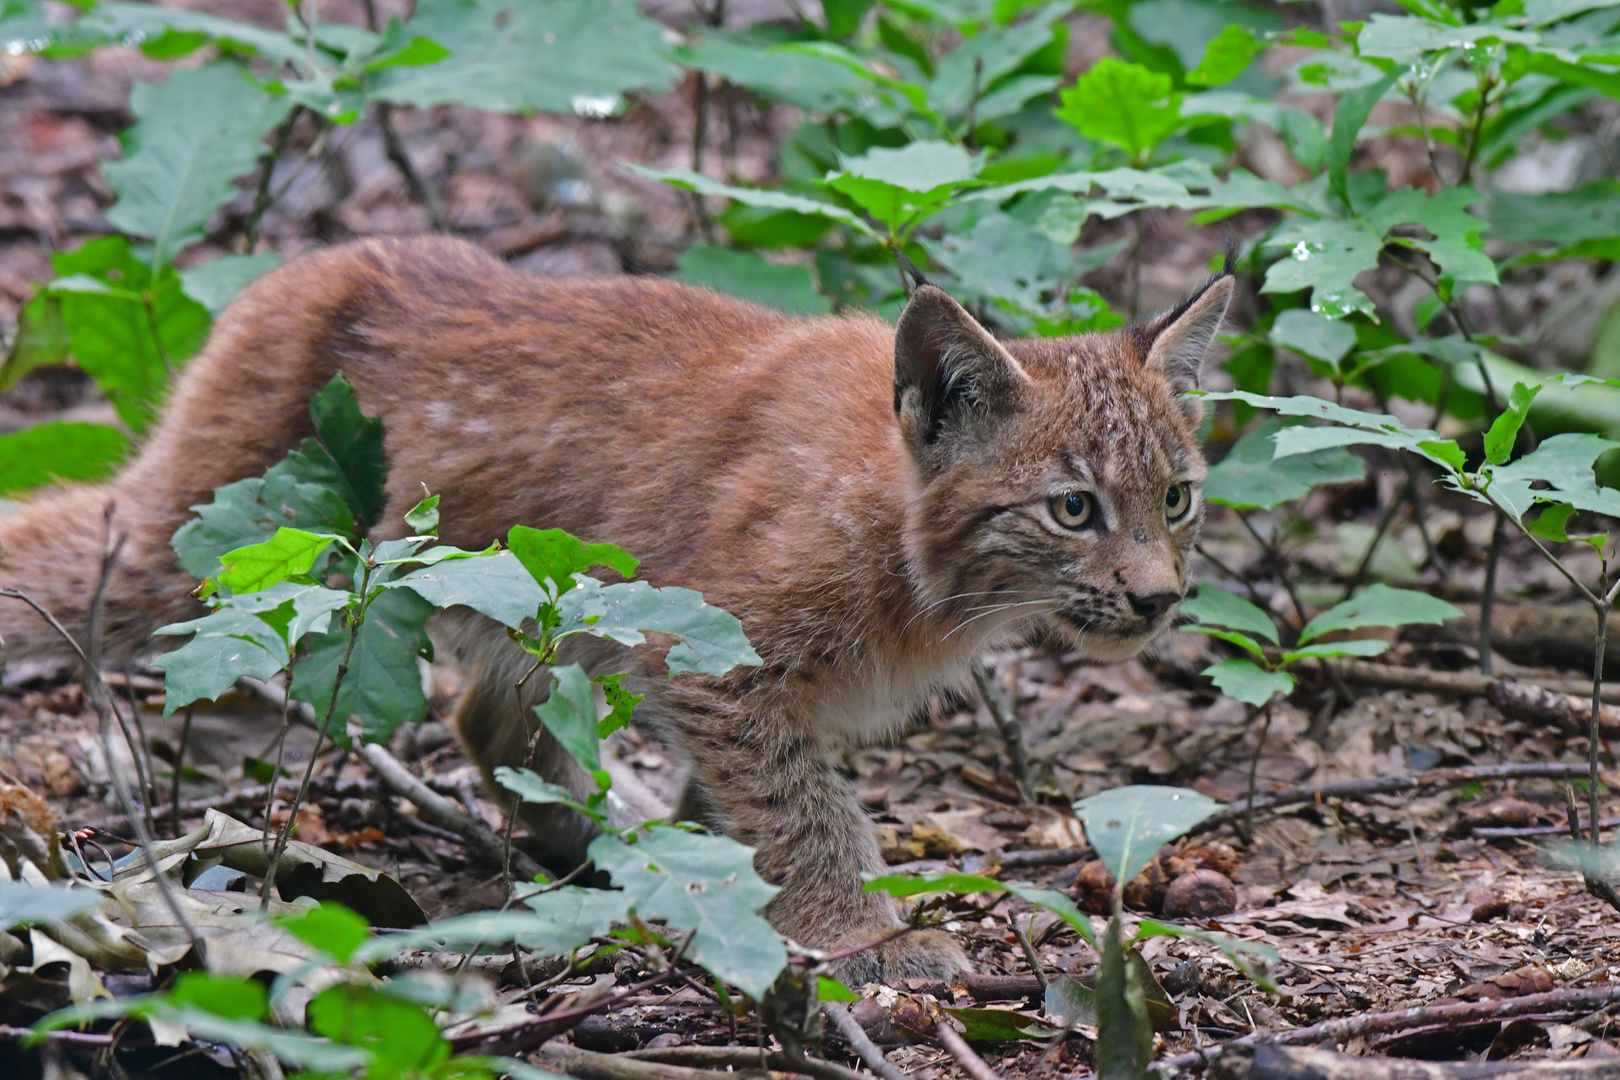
pixel 949 372
pixel 1180 337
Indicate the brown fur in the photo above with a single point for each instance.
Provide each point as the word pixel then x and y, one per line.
pixel 873 504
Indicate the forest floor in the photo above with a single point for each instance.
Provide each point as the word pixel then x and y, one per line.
pixel 1374 902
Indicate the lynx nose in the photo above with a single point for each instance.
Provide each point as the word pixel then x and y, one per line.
pixel 1150 607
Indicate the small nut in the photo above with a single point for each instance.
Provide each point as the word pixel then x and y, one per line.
pixel 1202 894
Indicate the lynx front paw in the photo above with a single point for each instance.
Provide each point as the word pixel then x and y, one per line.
pixel 921 954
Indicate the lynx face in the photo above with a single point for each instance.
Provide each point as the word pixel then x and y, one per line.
pixel 1059 478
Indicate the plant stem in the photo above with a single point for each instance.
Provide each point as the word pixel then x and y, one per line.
pixel 262 197
pixel 285 835
pixel 180 768
pixel 1487 602
pixel 1007 724
pixel 1475 127
pixel 1384 522
pixel 1594 736
pixel 421 189
pixel 1254 772
pixel 1136 266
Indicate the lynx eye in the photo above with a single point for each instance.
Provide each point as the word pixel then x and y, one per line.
pixel 1072 510
pixel 1177 502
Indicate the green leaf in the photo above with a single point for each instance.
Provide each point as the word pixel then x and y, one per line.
pixel 519 56
pixel 570 715
pixel 1564 463
pixel 215 284
pixel 830 989
pixel 621 704
pixel 1127 826
pixel 554 556
pixel 1313 335
pixel 1505 428
pixel 1252 477
pixel 997 1025
pixel 807 80
pixel 192 138
pixel 1124 1032
pixel 1217 607
pixel 423 518
pixel 57 451
pixel 896 185
pixel 688 180
pixel 233 997
pixel 1242 641
pixel 329 927
pixel 383 685
pixel 22 904
pixel 126 328
pixel 289 553
pixel 1581 222
pixel 712 640
pixel 353 442
pixel 1552 523
pixel 400 1037
pixel 1348 117
pixel 741 274
pixel 1250 956
pixel 496 585
pixel 571 916
pixel 1325 257
pixel 227 645
pixel 1380 605
pixel 1357 647
pixel 1124 105
pixel 705 884
pixel 1248 682
pixel 1056 902
pixel 1360 427
pixel 1456 246
pixel 527 785
pixel 332 483
pixel 1226 57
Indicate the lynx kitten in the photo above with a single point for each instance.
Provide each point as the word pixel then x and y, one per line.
pixel 878 505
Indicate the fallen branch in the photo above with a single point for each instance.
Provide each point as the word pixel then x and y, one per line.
pixel 1291 1063
pixel 1458 683
pixel 746 1057
pixel 972 1064
pixel 870 1052
pixel 1384 785
pixel 589 1065
pixel 1538 705
pixel 481 841
pixel 1023 860
pixel 1577 1001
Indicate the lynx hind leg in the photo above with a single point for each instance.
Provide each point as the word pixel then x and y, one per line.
pixel 496 721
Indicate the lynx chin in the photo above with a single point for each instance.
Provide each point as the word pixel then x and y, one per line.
pixel 877 505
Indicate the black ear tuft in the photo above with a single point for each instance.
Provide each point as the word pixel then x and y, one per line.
pixel 949 372
pixel 1181 337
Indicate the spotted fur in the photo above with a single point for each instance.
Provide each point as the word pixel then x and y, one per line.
pixel 876 505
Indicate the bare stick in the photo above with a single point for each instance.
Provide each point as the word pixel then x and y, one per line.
pixel 1433 778
pixel 480 839
pixel 1594 735
pixel 588 1065
pixel 972 1064
pixel 870 1052
pixel 1460 683
pixel 262 197
pixel 1577 1001
pixel 1007 724
pixel 1254 772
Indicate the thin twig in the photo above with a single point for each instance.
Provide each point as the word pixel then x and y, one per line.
pixel 1579 1001
pixel 1254 771
pixel 1031 957
pixel 972 1064
pixel 262 196
pixel 870 1052
pixel 1460 683
pixel 1007 724
pixel 1487 601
